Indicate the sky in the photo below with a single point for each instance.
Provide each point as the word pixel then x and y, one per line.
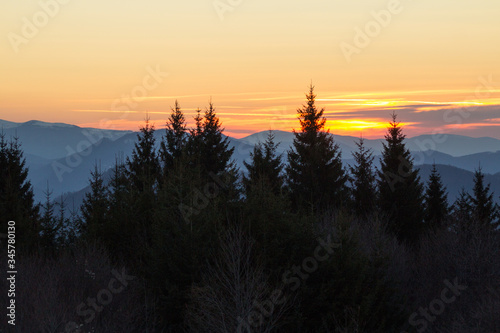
pixel 112 63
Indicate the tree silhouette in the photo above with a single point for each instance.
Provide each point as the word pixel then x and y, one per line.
pixel 173 144
pixel 143 172
pixel 461 212
pixel 16 194
pixel 363 180
pixel 215 151
pixel 95 206
pixel 400 190
pixel 485 211
pixel 265 166
pixel 144 167
pixel 436 201
pixel 49 224
pixel 315 174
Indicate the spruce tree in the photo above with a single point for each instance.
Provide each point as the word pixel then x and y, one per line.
pixel 16 195
pixel 194 203
pixel 95 206
pixel 49 223
pixel 265 166
pixel 143 168
pixel 65 229
pixel 173 144
pixel 215 152
pixel 400 190
pixel 209 156
pixel 266 211
pixel 363 180
pixel 436 201
pixel 461 212
pixel 195 142
pixel 485 212
pixel 120 225
pixel 143 171
pixel 315 174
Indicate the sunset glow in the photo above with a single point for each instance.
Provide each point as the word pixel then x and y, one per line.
pixel 110 64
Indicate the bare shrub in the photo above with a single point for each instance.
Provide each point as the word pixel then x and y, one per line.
pixel 231 287
pixel 50 290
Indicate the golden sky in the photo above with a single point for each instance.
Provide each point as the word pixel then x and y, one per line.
pixel 105 63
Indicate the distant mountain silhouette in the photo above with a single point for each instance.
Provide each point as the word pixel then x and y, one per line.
pixel 52 140
pixel 450 144
pixel 63 154
pixel 455 179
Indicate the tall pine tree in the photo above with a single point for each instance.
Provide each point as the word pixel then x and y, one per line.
pixel 16 195
pixel 363 180
pixel 49 224
pixel 400 190
pixel 316 177
pixel 173 144
pixel 215 151
pixel 95 207
pixel 121 224
pixel 436 201
pixel 143 172
pixel 144 166
pixel 265 167
pixel 485 212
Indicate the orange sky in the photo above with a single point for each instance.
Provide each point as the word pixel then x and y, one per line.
pixel 433 62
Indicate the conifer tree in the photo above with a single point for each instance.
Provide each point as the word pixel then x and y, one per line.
pixel 485 212
pixel 400 190
pixel 194 143
pixel 194 202
pixel 436 201
pixel 173 144
pixel 143 172
pixel 63 221
pixel 16 194
pixel 118 185
pixel 265 166
pixel 316 177
pixel 49 223
pixel 144 167
pixel 461 211
pixel 95 206
pixel 209 156
pixel 363 180
pixel 119 227
pixel 266 209
pixel 215 152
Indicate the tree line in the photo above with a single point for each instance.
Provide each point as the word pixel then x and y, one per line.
pixel 211 244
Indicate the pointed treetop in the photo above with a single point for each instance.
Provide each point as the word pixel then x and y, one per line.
pixel 311 119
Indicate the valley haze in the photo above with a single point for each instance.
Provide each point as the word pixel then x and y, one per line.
pixel 62 155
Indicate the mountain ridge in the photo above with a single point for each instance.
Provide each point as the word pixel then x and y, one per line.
pixel 63 155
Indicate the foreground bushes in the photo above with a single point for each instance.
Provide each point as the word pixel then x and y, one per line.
pixel 369 283
pixel 78 287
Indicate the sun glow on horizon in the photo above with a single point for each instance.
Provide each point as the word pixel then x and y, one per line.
pixel 104 64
